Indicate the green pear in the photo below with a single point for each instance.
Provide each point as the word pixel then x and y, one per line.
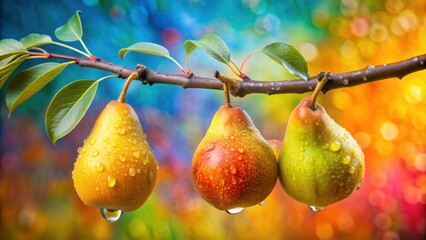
pixel 233 167
pixel 320 162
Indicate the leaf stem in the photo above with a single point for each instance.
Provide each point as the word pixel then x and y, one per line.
pixel 248 56
pixel 187 64
pixel 176 62
pixel 106 77
pixel 71 48
pixel 130 78
pixel 84 46
pixel 235 65
pixel 323 79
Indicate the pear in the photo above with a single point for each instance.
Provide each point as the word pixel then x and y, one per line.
pixel 115 168
pixel 320 162
pixel 233 167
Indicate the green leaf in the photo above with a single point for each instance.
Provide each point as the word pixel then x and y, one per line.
pixel 212 45
pixel 34 40
pixel 9 47
pixel 287 56
pixel 68 107
pixel 7 69
pixel 72 30
pixel 30 81
pixel 145 47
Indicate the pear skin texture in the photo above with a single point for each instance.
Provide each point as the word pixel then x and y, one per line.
pixel 233 166
pixel 115 168
pixel 320 162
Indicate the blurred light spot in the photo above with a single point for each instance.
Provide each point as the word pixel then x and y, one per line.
pixel 368 47
pixel 324 231
pixel 91 2
pixel 309 51
pixel 9 161
pixel 341 100
pixel 382 221
pixel 349 49
pixel 363 139
pixel 268 23
pixel 359 27
pixel 137 228
pixel 378 32
pixel 408 20
pixel 420 162
pixel 390 235
pixel 376 198
pixel 413 94
pixel 345 222
pixel 419 120
pixel 320 18
pixel 295 220
pixel 170 36
pixel 410 195
pixel 407 150
pixel 396 27
pixel 389 131
pixel 394 6
pixel 26 217
pixel 350 3
pixel 379 179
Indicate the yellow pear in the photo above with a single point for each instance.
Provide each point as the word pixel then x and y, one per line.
pixel 115 168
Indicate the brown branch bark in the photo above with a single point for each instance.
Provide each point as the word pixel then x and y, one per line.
pixel 242 88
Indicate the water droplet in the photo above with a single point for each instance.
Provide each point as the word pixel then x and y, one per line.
pixel 262 203
pixel 111 181
pixel 232 137
pixel 316 209
pixel 235 210
pixel 132 172
pixel 300 157
pixel 111 215
pixel 326 146
pixel 222 182
pixel 415 59
pixel 422 62
pixel 100 167
pixel 136 154
pixel 93 141
pixel 95 153
pixel 79 149
pixel 334 146
pixel 260 84
pixel 240 149
pixel 125 111
pixel 371 67
pixel 121 131
pixel 272 83
pixel 233 169
pixel 116 125
pixel 251 84
pixel 345 81
pixel 358 187
pixel 233 181
pixel 346 160
pixel 122 158
pixel 232 149
pixel 210 147
pixel 138 170
pixel 351 170
pixel 364 78
pixel 239 157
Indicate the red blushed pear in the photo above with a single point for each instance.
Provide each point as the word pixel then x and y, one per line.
pixel 233 167
pixel 320 162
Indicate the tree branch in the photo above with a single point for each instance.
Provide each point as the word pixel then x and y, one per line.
pixel 242 88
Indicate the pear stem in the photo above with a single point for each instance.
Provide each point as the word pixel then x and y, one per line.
pixel 323 79
pixel 227 97
pixel 122 97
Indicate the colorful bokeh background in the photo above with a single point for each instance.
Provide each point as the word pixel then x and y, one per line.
pixel 388 118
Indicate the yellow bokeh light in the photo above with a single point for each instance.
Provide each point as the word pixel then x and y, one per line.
pixel 389 131
pixel 324 230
